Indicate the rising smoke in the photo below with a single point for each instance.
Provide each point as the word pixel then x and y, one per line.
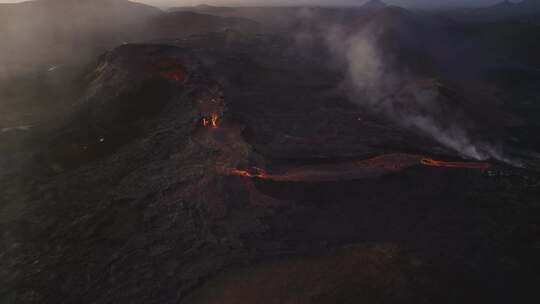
pixel 48 33
pixel 413 102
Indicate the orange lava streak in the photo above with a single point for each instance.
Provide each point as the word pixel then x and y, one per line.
pixel 210 122
pixel 461 165
pixel 353 170
pixel 205 122
pixel 214 120
pixel 255 173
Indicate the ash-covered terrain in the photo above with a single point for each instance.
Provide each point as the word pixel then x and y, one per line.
pixel 273 155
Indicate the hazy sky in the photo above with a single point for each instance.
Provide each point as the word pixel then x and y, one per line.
pixel 164 3
pixel 301 2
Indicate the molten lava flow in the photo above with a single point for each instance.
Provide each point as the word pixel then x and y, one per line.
pixel 169 68
pixel 253 173
pixel 205 122
pixel 369 168
pixel 461 165
pixel 214 120
pixel 211 121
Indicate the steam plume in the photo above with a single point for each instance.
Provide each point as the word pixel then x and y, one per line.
pixel 409 100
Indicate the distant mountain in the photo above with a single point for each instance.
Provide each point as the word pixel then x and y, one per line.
pixel 374 5
pixel 213 9
pixel 505 10
pixel 272 16
pixel 177 24
pixel 287 17
pixel 392 15
pixel 505 5
pixel 404 21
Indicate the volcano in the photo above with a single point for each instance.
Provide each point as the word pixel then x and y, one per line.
pixel 164 149
pixel 234 162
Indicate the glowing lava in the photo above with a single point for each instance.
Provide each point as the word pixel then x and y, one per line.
pixel 368 168
pixel 211 121
pixel 214 120
pixel 253 173
pixel 170 69
pixel 460 165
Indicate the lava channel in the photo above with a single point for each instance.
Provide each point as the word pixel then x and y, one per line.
pixel 459 165
pixel 368 168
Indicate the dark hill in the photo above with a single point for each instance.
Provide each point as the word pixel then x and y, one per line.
pixel 374 5
pixel 178 24
pixel 132 199
pixel 506 10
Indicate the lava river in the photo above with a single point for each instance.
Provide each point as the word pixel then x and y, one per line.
pixel 228 139
pixel 372 167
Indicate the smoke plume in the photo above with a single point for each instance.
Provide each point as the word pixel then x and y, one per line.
pixel 374 83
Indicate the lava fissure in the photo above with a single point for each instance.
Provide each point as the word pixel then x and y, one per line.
pixel 459 165
pixel 372 167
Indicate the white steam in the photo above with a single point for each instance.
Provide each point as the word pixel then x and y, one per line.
pixel 404 97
